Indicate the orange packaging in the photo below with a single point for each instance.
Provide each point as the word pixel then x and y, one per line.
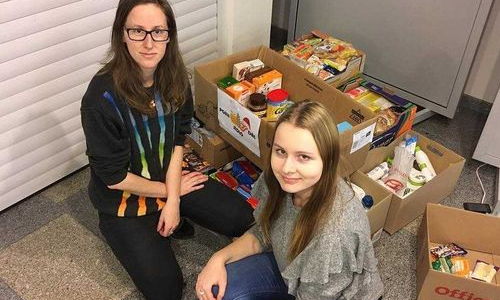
pixel 267 82
pixel 241 91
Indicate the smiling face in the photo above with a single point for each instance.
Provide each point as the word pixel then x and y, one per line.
pixel 148 53
pixel 295 160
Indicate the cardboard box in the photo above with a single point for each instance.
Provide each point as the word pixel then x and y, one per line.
pixel 354 66
pixel 448 166
pixel 477 233
pixel 300 85
pixel 212 148
pixel 381 198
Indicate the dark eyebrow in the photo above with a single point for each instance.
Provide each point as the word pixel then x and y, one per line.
pixel 142 27
pixel 306 153
pixel 300 152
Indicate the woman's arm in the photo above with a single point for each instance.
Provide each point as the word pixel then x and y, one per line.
pixel 141 186
pixel 214 273
pixel 170 215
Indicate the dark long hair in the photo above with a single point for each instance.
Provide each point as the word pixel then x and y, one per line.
pixel 170 77
pixel 315 118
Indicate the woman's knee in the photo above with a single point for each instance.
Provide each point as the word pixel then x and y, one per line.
pixel 161 286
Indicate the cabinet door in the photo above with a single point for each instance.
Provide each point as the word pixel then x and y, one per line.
pixel 423 48
pixel 488 147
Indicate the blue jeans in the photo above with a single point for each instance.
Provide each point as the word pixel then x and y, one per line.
pixel 256 277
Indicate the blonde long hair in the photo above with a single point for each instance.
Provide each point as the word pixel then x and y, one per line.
pixel 315 118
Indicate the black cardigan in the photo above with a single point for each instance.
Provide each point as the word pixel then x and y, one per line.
pixel 120 139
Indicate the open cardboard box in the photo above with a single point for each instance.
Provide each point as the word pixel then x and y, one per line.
pixel 354 66
pixel 475 232
pixel 300 85
pixel 448 166
pixel 381 198
pixel 212 148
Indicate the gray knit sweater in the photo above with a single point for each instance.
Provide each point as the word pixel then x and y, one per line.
pixel 339 263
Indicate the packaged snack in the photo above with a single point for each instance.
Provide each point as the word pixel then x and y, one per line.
pixel 226 82
pixel 357 93
pixel 227 179
pixel 267 82
pixel 385 120
pixel 446 264
pixel 239 174
pixel 254 202
pixel 241 91
pixel 448 250
pixel 242 68
pixel 484 271
pixel 460 266
pixel 251 75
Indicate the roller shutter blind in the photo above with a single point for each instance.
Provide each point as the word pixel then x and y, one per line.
pixel 49 51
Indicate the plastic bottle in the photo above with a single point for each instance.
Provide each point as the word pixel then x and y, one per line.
pixel 367 202
pixel 424 164
pixel 379 171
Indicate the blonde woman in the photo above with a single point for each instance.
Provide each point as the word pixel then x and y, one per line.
pixel 311 240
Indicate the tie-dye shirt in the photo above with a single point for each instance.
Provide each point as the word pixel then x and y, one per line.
pixel 120 139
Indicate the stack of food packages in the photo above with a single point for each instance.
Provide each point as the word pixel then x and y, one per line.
pixel 451 258
pixel 239 175
pixel 257 88
pixel 398 174
pixel 321 55
pixel 388 108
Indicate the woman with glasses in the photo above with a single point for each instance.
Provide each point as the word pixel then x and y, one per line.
pixel 135 114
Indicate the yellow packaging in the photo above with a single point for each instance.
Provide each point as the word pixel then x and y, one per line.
pixel 267 82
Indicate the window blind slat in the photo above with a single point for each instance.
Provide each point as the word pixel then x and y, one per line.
pixel 51 18
pixel 28 146
pixel 53 54
pixel 12 10
pixel 53 36
pixel 41 153
pixel 29 129
pixel 42 75
pixel 39 93
pixel 41 108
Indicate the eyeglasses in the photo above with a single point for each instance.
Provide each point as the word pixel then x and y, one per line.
pixel 139 35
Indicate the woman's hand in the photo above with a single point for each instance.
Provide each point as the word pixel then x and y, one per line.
pixel 169 217
pixel 214 273
pixel 192 181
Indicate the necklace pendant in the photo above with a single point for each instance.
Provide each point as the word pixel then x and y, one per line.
pixel 152 104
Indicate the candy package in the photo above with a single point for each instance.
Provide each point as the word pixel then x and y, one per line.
pixel 448 250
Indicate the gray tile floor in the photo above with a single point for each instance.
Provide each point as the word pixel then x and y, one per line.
pixel 51 248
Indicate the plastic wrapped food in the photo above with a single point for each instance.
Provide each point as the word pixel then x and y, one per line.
pixel 385 120
pixel 484 271
pixel 448 250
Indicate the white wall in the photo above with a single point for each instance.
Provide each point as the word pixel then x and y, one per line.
pixel 243 24
pixel 484 78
